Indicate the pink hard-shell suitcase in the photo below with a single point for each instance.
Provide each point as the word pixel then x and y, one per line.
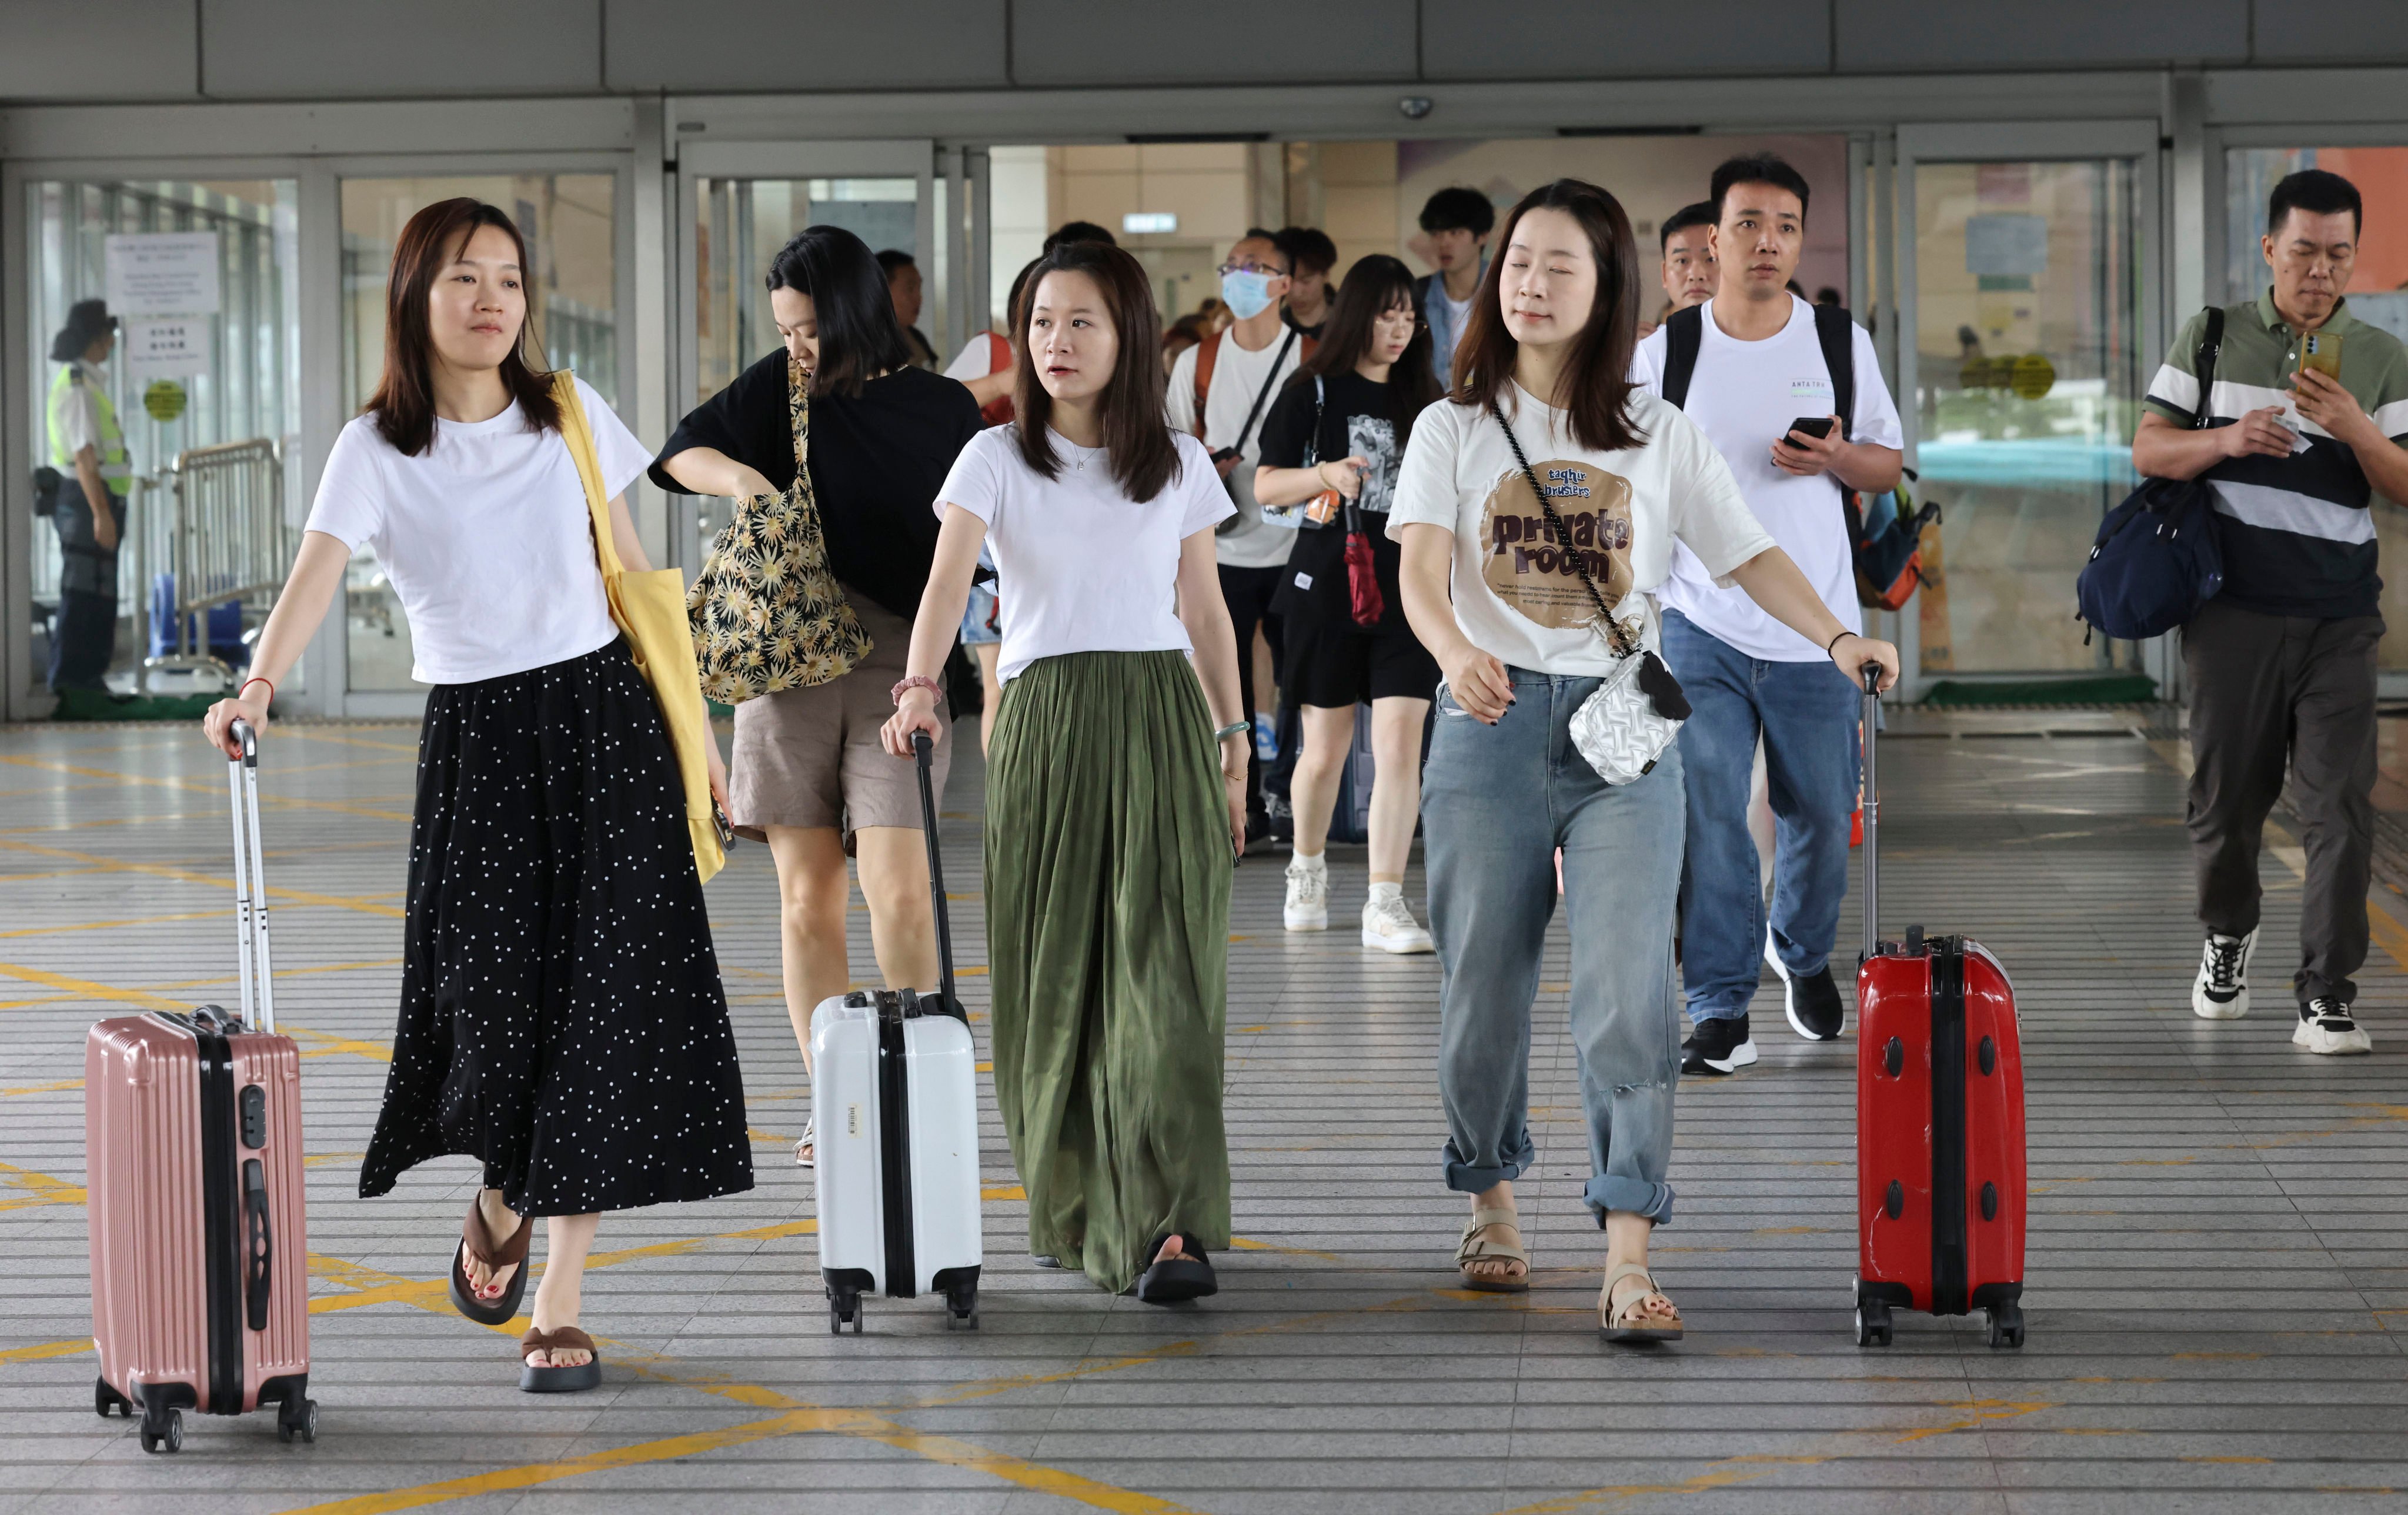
pixel 200 1262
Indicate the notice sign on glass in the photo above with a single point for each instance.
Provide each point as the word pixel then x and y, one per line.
pixel 166 349
pixel 162 273
pixel 2006 245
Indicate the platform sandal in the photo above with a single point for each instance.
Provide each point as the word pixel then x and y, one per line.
pixel 1622 1322
pixel 558 1380
pixel 1476 1248
pixel 1178 1279
pixel 477 1242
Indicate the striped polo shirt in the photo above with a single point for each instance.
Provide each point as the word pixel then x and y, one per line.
pixel 2297 532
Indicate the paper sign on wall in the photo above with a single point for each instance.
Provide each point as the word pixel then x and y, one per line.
pixel 2006 245
pixel 166 349
pixel 162 273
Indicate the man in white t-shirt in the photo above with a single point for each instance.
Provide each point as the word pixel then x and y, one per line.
pixel 1746 365
pixel 1242 370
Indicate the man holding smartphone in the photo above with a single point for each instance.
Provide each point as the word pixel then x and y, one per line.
pixel 1797 406
pixel 2282 662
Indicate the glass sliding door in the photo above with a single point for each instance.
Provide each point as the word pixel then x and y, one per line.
pixel 201 278
pixel 2028 364
pixel 569 221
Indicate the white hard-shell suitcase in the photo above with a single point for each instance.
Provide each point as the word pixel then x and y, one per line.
pixel 895 1109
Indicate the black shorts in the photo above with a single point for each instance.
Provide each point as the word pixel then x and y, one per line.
pixel 1336 664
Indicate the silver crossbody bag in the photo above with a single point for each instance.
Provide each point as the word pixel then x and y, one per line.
pixel 1623 728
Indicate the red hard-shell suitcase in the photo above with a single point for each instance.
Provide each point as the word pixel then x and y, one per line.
pixel 1940 1121
pixel 200 1261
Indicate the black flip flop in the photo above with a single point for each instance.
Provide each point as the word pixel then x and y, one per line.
pixel 478 1242
pixel 558 1380
pixel 1179 1279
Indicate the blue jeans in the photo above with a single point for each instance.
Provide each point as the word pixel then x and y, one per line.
pixel 1496 802
pixel 1807 714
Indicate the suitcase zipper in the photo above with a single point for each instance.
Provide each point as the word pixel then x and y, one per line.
pixel 220 1248
pixel 1948 1261
pixel 895 1149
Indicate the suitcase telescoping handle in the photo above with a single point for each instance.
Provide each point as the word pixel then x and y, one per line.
pixel 251 883
pixel 1871 674
pixel 925 752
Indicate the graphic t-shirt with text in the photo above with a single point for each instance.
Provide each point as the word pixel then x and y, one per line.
pixel 1517 591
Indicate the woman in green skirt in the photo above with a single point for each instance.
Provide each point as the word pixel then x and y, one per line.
pixel 1114 812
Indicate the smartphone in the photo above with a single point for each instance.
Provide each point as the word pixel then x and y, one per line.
pixel 721 824
pixel 2321 351
pixel 1812 426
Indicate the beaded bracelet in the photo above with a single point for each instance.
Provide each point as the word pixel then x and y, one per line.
pixel 917 681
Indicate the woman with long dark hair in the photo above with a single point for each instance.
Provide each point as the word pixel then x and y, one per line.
pixel 1336 435
pixel 560 1013
pixel 808 775
pixel 1531 601
pixel 1116 794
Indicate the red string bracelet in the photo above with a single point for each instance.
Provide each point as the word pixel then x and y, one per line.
pixel 255 679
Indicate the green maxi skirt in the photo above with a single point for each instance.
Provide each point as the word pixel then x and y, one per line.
pixel 1107 929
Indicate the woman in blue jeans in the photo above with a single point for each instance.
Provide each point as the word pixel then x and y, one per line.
pixel 1498 597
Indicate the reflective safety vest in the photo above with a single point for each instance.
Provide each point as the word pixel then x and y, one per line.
pixel 116 469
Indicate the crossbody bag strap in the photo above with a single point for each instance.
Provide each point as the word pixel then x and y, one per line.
pixel 1263 394
pixel 2211 351
pixel 1616 636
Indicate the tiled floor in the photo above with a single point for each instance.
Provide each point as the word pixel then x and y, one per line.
pixel 2217 1282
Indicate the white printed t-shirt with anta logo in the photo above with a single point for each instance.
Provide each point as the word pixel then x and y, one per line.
pixel 1516 594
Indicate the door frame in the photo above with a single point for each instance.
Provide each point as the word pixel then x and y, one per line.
pixel 1919 142
pixel 913 158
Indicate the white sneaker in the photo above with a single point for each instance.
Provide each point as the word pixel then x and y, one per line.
pixel 1388 924
pixel 1772 959
pixel 2326 1026
pixel 2221 990
pixel 1308 898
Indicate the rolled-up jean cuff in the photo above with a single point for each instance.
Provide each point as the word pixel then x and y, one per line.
pixel 1464 1179
pixel 1636 1196
pixel 1716 1010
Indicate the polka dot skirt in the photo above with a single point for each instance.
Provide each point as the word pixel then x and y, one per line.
pixel 562 1017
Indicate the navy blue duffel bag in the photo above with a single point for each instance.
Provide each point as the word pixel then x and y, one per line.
pixel 2156 559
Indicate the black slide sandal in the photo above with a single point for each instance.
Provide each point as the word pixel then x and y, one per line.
pixel 558 1380
pixel 1178 1279
pixel 475 1241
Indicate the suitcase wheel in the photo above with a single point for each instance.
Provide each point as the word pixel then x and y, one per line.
pixel 165 1432
pixel 105 1399
pixel 2007 1325
pixel 1873 1327
pixel 304 1424
pixel 962 1311
pixel 844 1309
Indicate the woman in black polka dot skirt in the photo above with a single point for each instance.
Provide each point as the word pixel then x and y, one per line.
pixel 562 1018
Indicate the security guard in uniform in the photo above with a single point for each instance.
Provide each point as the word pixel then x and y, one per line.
pixel 88 449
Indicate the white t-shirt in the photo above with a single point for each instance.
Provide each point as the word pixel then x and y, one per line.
pixel 979 357
pixel 486 537
pixel 1743 395
pixel 1514 596
pixel 1090 570
pixel 1237 377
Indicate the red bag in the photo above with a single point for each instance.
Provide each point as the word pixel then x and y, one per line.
pixel 1363 595
pixel 200 1261
pixel 1940 1122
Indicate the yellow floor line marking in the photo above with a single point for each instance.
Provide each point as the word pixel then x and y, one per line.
pixel 112 925
pixel 119 865
pixel 196 787
pixel 89 989
pixel 311 733
pixel 62 1084
pixel 41 1188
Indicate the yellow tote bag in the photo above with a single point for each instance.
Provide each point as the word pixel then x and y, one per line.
pixel 650 609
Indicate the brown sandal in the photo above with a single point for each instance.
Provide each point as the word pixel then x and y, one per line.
pixel 558 1380
pixel 477 1242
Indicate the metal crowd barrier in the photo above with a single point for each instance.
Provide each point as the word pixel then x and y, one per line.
pixel 226 543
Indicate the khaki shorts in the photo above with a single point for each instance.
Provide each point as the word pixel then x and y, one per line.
pixel 812 758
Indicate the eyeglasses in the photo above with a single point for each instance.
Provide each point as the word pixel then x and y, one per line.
pixel 1273 270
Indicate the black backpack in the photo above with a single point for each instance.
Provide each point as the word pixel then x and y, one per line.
pixel 1888 558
